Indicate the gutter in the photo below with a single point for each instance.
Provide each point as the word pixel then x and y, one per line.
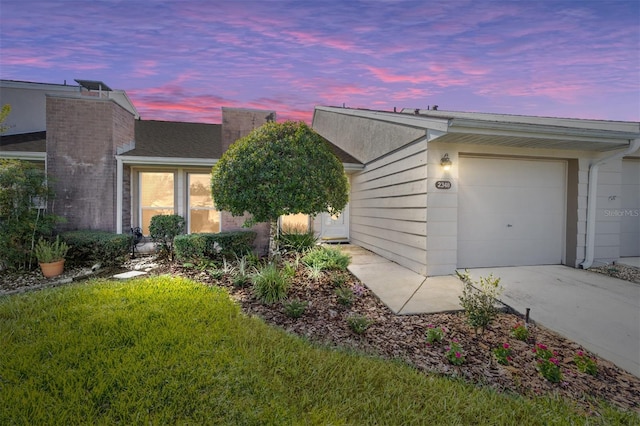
pixel 634 145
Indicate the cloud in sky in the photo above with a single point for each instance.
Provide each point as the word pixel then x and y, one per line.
pixel 183 60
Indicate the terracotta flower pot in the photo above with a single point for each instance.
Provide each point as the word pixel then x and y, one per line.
pixel 52 269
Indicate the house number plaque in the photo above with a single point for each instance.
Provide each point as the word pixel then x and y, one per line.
pixel 443 184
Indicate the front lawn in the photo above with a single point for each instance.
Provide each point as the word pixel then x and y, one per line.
pixel 169 350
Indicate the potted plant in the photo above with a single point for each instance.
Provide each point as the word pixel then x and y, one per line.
pixel 51 256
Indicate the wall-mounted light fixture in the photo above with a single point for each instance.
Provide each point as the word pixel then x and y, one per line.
pixel 445 162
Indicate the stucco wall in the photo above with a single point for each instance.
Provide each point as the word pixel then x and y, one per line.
pixel 355 134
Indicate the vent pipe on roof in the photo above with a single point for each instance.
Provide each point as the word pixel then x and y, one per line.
pixel 634 145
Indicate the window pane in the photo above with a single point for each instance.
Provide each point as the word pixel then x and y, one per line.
pixel 156 189
pixel 295 222
pixel 203 217
pixel 148 213
pixel 204 221
pixel 156 197
pixel 200 191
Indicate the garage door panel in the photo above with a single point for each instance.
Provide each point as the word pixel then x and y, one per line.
pixel 510 212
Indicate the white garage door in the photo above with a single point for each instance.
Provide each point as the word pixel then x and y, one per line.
pixel 630 219
pixel 510 212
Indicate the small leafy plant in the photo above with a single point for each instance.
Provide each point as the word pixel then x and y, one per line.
pixel 345 296
pixel 270 284
pixel 297 238
pixel 520 332
pixel 338 279
pixel 359 290
pixel 51 251
pixel 503 354
pixel 295 308
pixel 327 258
pixel 359 323
pixel 314 272
pixel 435 334
pixel 585 364
pixel 479 300
pixel 548 364
pixel 454 353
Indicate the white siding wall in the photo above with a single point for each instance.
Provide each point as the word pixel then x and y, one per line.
pixel 388 207
pixel 607 237
pixel 442 213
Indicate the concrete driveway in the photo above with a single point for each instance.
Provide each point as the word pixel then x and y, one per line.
pixel 598 312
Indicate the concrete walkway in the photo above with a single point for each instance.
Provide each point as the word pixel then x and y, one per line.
pixel 630 261
pixel 402 290
pixel 598 312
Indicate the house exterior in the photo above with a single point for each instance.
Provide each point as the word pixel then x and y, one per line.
pixel 442 190
pixel 113 171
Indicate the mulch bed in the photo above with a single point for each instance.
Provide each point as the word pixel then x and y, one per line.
pixel 404 337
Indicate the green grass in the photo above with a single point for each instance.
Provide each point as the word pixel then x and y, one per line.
pixel 168 350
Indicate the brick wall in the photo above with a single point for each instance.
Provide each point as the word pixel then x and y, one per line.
pixel 82 136
pixel 237 123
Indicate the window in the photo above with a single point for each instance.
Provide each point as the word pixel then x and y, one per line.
pixel 156 196
pixel 203 216
pixel 294 222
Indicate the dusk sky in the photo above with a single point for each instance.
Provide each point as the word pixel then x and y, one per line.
pixel 183 60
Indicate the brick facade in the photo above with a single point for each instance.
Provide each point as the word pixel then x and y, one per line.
pixel 83 134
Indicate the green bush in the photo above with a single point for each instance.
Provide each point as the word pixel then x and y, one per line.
pixel 164 228
pixel 227 244
pixel 297 239
pixel 88 247
pixel 479 301
pixel 23 191
pixel 270 284
pixel 327 258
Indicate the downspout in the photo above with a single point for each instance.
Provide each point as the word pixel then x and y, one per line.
pixel 634 145
pixel 119 193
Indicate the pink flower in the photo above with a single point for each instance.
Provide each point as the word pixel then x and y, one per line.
pixel 509 358
pixel 430 326
pixel 580 353
pixel 457 354
pixel 455 340
pixel 553 360
pixel 541 346
pixel 505 345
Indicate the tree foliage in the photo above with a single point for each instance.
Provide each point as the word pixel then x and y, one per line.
pixel 23 190
pixel 279 169
pixel 4 112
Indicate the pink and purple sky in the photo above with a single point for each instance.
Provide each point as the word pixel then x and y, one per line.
pixel 183 60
